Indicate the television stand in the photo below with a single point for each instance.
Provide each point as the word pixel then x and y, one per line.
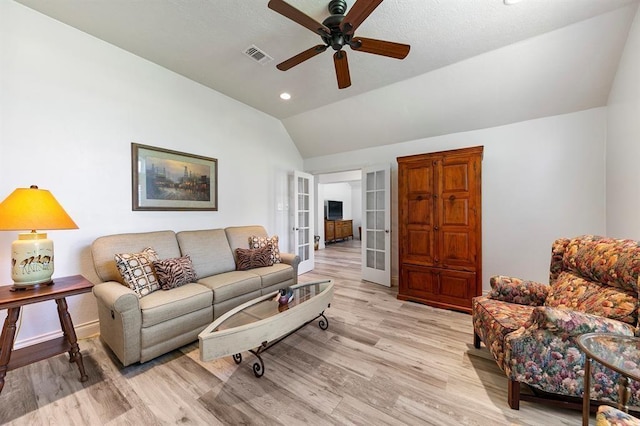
pixel 336 230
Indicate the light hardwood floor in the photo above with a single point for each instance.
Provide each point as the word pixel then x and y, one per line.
pixel 381 362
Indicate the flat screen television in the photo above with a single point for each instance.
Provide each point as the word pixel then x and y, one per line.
pixel 333 210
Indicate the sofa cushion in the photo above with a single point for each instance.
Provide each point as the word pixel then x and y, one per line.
pixel 573 292
pixel 228 285
pixel 137 271
pixel 162 306
pixel 238 236
pixel 175 272
pixel 256 241
pixel 103 249
pixel 494 319
pixel 209 251
pixel 272 275
pixel 253 258
pixel 614 262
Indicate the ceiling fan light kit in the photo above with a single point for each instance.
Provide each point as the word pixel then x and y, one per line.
pixel 337 31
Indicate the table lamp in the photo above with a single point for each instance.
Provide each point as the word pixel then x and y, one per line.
pixel 32 253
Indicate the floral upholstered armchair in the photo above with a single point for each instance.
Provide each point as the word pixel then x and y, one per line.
pixel 531 328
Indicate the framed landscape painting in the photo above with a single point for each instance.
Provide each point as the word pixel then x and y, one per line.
pixel 163 179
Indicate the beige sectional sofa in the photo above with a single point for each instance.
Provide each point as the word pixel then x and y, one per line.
pixel 138 329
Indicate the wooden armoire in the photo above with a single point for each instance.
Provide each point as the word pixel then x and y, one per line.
pixel 440 228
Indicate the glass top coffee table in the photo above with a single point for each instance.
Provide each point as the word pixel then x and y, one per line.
pixel 619 353
pixel 260 323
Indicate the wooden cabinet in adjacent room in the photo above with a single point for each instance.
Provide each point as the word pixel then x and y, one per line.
pixel 440 228
pixel 338 230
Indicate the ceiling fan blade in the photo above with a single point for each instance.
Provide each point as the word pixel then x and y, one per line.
pixel 360 10
pixel 342 69
pixel 380 47
pixel 301 57
pixel 288 11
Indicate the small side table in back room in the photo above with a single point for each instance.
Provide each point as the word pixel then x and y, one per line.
pixel 12 301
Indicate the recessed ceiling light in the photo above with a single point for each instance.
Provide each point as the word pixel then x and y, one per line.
pixel 511 2
pixel 285 96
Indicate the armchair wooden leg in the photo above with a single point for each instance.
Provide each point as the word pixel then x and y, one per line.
pixel 476 340
pixel 513 394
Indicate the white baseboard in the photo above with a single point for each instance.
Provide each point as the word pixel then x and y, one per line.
pixel 83 331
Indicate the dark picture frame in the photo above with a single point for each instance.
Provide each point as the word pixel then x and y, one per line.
pixel 166 180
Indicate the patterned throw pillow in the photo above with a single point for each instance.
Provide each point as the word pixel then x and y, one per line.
pixel 253 258
pixel 137 271
pixel 173 273
pixel 272 242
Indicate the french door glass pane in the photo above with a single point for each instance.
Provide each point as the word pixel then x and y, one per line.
pixel 371 259
pixel 380 179
pixel 380 240
pixel 371 241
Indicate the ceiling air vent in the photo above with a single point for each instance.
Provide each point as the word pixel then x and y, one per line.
pixel 257 55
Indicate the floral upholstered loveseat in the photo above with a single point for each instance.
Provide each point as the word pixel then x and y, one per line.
pixel 531 328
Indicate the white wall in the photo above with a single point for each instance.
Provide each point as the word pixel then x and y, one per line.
pixel 623 142
pixel 541 179
pixel 70 106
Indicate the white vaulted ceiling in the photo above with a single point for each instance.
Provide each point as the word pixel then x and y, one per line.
pixel 473 63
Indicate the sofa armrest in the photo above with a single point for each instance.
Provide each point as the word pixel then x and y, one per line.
pixel 515 290
pixel 290 259
pixel 570 323
pixel 120 320
pixel 116 296
pixel 294 261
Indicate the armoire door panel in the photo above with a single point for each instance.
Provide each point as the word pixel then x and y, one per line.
pixel 455 177
pixel 419 179
pixel 455 211
pixel 419 282
pixel 457 249
pixel 456 288
pixel 419 245
pixel 420 211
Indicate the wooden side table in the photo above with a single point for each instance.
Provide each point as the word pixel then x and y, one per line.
pixel 13 301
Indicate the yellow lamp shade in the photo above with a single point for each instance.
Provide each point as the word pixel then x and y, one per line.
pixel 31 209
pixel 32 253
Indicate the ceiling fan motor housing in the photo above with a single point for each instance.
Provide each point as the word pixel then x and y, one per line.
pixel 337 7
pixel 337 39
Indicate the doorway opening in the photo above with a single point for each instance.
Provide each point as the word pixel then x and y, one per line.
pixel 355 205
pixel 339 207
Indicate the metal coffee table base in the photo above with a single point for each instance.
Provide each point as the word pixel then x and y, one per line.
pixel 258 366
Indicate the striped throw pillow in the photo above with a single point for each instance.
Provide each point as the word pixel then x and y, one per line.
pixel 253 258
pixel 175 272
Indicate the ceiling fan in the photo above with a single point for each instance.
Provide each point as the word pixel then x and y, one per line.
pixel 337 31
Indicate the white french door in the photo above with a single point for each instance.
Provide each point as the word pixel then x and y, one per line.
pixel 302 219
pixel 376 224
